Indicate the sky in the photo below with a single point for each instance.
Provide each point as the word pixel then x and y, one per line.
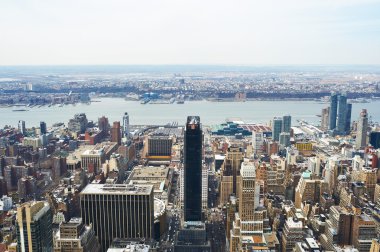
pixel 221 32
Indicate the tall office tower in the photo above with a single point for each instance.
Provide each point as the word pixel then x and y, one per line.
pixel 348 118
pixel 276 128
pixel 116 133
pixel 193 169
pixel 21 127
pixel 309 189
pixel 338 228
pixel 103 124
pixel 75 236
pixel 333 111
pixel 126 130
pixel 286 123
pixel 251 220
pixel 325 119
pixel 160 145
pixel 230 172
pixel 364 230
pixel 342 114
pixel 284 139
pixel 43 128
pixel 204 187
pixel 292 233
pixel 375 139
pixel 361 133
pixel 257 142
pixel 118 211
pixel 34 227
pixel 249 200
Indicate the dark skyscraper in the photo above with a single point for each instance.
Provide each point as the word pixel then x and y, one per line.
pixel 193 170
pixel 43 127
pixel 286 123
pixel 103 124
pixel 333 111
pixel 348 118
pixel 374 138
pixel 342 114
pixel 276 128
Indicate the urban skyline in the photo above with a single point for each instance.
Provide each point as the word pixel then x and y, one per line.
pixel 190 126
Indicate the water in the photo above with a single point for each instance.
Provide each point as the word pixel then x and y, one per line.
pixel 211 113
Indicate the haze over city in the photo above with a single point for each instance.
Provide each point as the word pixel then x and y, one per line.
pixel 96 32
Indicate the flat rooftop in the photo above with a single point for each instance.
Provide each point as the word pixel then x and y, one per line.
pixel 149 172
pixel 118 189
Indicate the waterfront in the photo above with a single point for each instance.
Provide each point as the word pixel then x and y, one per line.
pixel 210 112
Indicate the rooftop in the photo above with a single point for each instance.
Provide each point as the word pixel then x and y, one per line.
pixel 117 189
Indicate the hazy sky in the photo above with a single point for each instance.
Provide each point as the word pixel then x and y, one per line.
pixel 242 32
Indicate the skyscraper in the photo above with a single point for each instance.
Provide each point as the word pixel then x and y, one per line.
pixel 34 227
pixel 103 124
pixel 361 134
pixel 276 128
pixel 333 111
pixel 257 142
pixel 249 199
pixel 284 139
pixel 375 139
pixel 325 118
pixel 21 127
pixel 286 123
pixel 126 124
pixel 43 127
pixel 193 169
pixel 342 114
pixel 118 211
pixel 116 133
pixel 348 118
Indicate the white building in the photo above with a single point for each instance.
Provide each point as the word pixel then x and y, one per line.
pixel 6 203
pixel 204 187
pixel 257 142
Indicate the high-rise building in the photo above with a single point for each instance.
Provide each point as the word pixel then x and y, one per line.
pixel 193 169
pixel 257 142
pixel 276 128
pixel 325 119
pixel 116 133
pixel 375 139
pixel 284 139
pixel 103 124
pixel 34 227
pixel 361 133
pixel 160 145
pixel 342 114
pixel 118 211
pixel 338 228
pixel 250 222
pixel 348 118
pixel 292 233
pixel 333 111
pixel 126 129
pixel 21 127
pixel 249 200
pixel 78 123
pixel 309 189
pixel 230 173
pixel 286 123
pixel 364 230
pixel 75 236
pixel 43 128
